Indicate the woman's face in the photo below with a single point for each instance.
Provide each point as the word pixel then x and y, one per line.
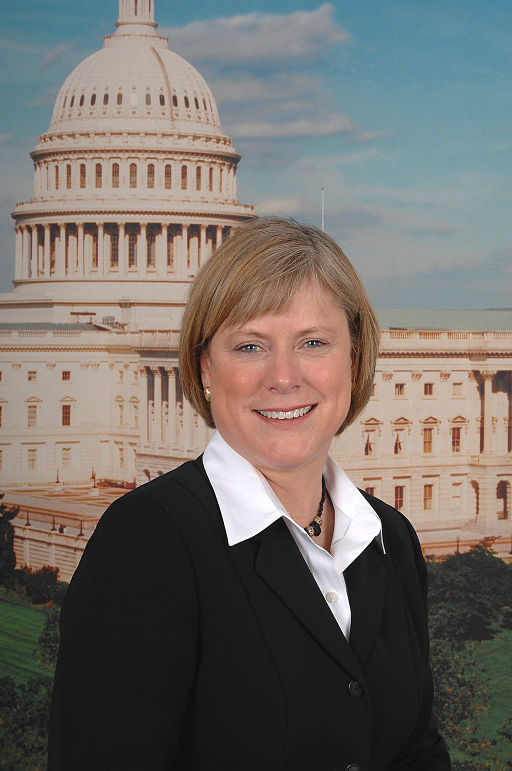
pixel 281 383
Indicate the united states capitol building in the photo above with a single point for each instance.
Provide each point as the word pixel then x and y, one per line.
pixel 134 186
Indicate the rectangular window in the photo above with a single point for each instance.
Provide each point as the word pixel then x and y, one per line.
pixel 183 177
pixel 368 445
pixel 135 416
pixel 66 414
pixel 32 376
pixel 457 389
pixel 168 177
pixel 372 390
pixel 399 497
pixel 428 389
pixel 82 175
pixel 56 177
pixel 132 250
pixel 1 416
pixel 32 458
pixel 370 490
pixel 121 456
pixel 399 389
pixel 427 440
pixel 456 432
pixel 398 445
pixel 198 178
pixel 114 250
pixel 98 175
pixel 151 239
pixel 1 459
pixel 68 176
pixel 66 374
pixel 115 175
pixel 0 375
pixel 427 497
pixel 210 180
pixel 31 416
pixel 66 457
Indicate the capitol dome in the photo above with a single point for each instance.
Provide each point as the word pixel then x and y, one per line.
pixel 134 183
pixel 135 81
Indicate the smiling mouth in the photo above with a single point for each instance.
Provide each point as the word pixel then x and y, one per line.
pixel 288 415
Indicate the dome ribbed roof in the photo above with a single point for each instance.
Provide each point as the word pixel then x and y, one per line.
pixel 135 83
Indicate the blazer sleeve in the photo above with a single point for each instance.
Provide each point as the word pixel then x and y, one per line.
pixel 425 749
pixel 129 636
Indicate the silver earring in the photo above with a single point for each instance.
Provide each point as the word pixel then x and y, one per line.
pixel 207 393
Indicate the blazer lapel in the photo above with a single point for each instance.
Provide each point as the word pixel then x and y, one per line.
pixel 366 585
pixel 281 566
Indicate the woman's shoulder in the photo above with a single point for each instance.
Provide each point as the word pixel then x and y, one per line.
pixel 181 501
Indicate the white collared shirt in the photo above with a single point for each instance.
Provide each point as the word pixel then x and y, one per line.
pixel 249 505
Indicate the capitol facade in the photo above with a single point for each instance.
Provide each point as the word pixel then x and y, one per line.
pixel 134 186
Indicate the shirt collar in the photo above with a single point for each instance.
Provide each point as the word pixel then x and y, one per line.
pixel 249 505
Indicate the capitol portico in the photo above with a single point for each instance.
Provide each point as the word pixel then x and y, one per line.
pixel 134 185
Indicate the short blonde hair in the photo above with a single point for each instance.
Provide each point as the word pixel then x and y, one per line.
pixel 259 269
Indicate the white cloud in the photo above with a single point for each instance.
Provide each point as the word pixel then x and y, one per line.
pixel 55 54
pixel 259 37
pixel 302 127
pixel 6 138
pixel 280 85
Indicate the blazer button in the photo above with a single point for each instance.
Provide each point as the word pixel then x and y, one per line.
pixel 353 767
pixel 355 689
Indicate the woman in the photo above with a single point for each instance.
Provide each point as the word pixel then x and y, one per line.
pixel 253 610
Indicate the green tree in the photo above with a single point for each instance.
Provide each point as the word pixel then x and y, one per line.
pixel 48 643
pixel 24 723
pixel 7 555
pixel 41 585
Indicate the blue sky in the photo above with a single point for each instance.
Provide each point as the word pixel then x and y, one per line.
pixel 401 109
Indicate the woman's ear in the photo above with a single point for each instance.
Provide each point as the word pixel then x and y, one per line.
pixel 204 362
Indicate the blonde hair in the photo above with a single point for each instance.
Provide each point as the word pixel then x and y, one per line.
pixel 259 269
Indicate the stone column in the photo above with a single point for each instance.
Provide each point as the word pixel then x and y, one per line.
pixel 157 397
pixel 144 406
pixel 46 252
pixel 219 236
pixel 184 267
pixel 101 249
pixel 18 260
pixel 171 409
pixel 122 262
pixel 34 244
pixel 60 255
pixel 142 250
pixel 161 252
pixel 193 252
pixel 80 248
pixel 202 245
pixel 487 377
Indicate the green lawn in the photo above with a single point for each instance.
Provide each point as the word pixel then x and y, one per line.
pixel 20 628
pixel 495 657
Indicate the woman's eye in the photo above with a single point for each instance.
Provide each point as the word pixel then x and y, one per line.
pixel 314 343
pixel 248 348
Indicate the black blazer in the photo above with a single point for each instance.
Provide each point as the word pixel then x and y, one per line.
pixel 179 652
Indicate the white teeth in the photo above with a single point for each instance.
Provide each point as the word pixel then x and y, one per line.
pixel 298 413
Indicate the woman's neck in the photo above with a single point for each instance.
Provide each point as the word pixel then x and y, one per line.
pixel 299 491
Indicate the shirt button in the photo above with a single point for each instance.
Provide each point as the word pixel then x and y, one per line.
pixel 355 689
pixel 332 597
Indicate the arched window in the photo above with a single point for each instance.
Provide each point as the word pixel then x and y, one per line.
pixel 151 175
pixel 68 176
pixel 64 103
pixel 204 105
pixel 187 103
pixel 133 175
pixel 82 175
pixel 82 100
pixel 162 100
pixel 136 7
pixel 175 100
pixel 72 101
pixel 115 175
pixel 148 98
pixel 210 180
pixel 196 102
pixel 119 98
pixel 99 175
pixel 183 177
pixel 198 178
pixel 220 180
pixel 56 177
pixel 105 98
pixel 93 99
pixel 168 176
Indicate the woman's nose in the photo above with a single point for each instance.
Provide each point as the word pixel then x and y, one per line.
pixel 284 371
